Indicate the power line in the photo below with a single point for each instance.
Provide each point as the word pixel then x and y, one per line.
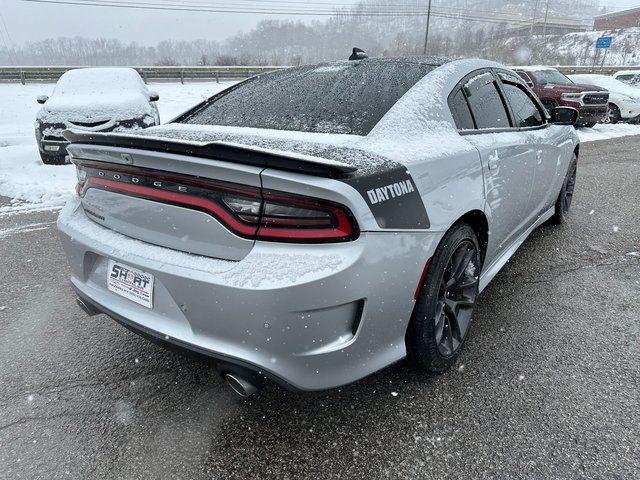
pixel 372 11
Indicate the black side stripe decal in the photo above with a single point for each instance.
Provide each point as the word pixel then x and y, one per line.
pixel 393 198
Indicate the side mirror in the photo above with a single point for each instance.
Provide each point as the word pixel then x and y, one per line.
pixel 154 96
pixel 564 116
pixel 41 99
pixel 529 83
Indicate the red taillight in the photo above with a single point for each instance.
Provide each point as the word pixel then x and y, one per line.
pixel 247 211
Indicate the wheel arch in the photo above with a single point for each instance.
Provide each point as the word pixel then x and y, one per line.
pixel 477 220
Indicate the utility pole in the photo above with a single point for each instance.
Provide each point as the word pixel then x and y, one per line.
pixel 546 16
pixel 533 20
pixel 426 30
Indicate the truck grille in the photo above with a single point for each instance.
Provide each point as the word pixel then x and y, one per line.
pixel 596 98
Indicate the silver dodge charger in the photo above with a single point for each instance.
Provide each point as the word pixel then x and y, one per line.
pixel 313 225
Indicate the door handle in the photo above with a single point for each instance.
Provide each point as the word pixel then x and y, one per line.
pixel 539 157
pixel 492 163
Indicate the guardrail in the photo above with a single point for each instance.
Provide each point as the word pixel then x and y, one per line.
pixel 604 70
pixel 51 74
pixel 183 74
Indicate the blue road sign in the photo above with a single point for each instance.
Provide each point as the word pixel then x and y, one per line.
pixel 604 42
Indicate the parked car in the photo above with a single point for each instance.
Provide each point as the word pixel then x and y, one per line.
pixel 95 100
pixel 316 224
pixel 631 77
pixel 624 99
pixel 555 89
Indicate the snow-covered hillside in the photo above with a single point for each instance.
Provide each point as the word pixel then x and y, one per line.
pixel 577 48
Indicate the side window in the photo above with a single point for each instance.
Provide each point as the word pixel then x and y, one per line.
pixel 525 77
pixel 485 102
pixel 460 111
pixel 525 111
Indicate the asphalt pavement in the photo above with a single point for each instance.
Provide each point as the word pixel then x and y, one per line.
pixel 546 388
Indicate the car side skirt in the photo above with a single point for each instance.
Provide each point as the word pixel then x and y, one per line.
pixel 492 270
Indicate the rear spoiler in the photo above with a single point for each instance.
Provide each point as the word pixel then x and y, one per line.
pixel 226 151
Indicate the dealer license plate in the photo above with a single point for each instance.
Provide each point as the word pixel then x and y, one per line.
pixel 130 283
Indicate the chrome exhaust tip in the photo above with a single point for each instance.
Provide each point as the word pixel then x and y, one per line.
pixel 239 385
pixel 88 309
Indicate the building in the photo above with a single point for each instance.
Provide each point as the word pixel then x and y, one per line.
pixel 550 27
pixel 621 19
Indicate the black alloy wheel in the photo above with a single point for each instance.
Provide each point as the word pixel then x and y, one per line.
pixel 443 313
pixel 565 198
pixel 456 298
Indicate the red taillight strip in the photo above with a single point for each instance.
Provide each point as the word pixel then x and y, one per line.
pixel 342 231
pixel 176 198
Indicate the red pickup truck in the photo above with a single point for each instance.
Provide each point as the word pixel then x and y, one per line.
pixel 556 90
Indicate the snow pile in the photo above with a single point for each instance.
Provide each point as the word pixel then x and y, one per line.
pixel 606 132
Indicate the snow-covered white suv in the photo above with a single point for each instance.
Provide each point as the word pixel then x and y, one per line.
pixel 93 100
pixel 632 77
pixel 624 99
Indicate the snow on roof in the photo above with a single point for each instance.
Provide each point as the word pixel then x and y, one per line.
pixel 533 68
pixel 84 81
pixel 618 13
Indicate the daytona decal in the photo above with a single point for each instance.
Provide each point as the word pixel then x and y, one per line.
pixel 383 194
pixel 393 199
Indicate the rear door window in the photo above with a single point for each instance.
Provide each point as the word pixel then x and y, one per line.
pixel 460 111
pixel 485 102
pixel 525 111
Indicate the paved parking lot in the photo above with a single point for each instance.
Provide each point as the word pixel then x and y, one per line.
pixel 548 386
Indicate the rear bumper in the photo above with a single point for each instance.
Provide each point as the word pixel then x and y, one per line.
pixel 308 316
pixel 225 364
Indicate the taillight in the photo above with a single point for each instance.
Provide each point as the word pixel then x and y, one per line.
pixel 247 211
pixel 288 217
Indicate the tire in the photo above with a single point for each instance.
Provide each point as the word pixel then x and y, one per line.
pixel 53 159
pixel 613 114
pixel 565 197
pixel 442 315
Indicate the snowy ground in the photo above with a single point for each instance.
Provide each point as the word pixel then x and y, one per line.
pixel 35 186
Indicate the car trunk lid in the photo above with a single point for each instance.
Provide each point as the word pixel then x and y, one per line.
pixel 202 198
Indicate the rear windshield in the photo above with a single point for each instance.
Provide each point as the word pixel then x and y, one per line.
pixel 348 97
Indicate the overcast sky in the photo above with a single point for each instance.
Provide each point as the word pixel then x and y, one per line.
pixel 37 21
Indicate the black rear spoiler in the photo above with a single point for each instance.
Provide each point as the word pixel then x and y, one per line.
pixel 229 152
